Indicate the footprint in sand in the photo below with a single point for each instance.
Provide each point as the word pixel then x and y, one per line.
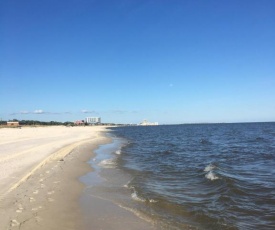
pixel 20 209
pixel 36 192
pixel 37 208
pixel 31 199
pixel 41 180
pixel 56 182
pixel 42 186
pixel 50 192
pixel 48 172
pixel 14 223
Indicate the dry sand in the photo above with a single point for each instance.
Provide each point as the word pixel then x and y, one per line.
pixel 39 170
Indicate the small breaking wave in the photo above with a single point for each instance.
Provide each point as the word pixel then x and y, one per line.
pixel 140 199
pixel 135 197
pixel 127 185
pixel 108 163
pixel 118 152
pixel 210 172
pixel 209 167
pixel 211 176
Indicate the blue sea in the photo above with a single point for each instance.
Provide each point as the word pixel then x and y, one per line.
pixel 197 176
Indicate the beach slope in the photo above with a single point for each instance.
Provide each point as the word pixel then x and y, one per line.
pixel 39 167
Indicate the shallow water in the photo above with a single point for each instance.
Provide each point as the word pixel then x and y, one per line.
pixel 214 176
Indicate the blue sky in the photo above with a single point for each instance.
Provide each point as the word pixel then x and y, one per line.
pixel 173 61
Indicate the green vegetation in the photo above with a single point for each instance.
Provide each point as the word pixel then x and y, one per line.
pixel 38 123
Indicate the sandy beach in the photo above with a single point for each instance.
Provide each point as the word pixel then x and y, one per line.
pixel 40 188
pixel 39 170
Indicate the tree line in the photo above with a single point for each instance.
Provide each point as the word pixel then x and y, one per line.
pixel 35 122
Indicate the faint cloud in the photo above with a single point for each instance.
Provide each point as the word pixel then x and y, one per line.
pixel 21 112
pixel 24 112
pixel 38 111
pixel 88 111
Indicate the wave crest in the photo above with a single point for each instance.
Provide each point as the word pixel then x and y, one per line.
pixel 118 152
pixel 211 176
pixel 209 168
pixel 210 172
pixel 138 198
pixel 135 197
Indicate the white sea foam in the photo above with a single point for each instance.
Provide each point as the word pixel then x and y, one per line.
pixel 209 168
pixel 135 197
pixel 211 176
pixel 127 185
pixel 118 152
pixel 108 163
pixel 152 201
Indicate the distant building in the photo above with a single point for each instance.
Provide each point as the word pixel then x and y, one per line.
pixel 79 122
pixel 13 123
pixel 93 120
pixel 147 123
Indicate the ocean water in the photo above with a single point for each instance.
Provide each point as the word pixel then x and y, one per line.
pixel 201 176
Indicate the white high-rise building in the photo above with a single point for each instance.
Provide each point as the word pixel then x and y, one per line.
pixel 93 120
pixel 146 123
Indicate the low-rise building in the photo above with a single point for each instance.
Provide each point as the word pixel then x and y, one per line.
pixel 79 122
pixel 13 123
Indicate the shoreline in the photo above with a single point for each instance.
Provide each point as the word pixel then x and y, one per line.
pixel 107 182
pixel 49 194
pixel 46 195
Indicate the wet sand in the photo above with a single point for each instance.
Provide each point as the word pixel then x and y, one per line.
pixel 39 181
